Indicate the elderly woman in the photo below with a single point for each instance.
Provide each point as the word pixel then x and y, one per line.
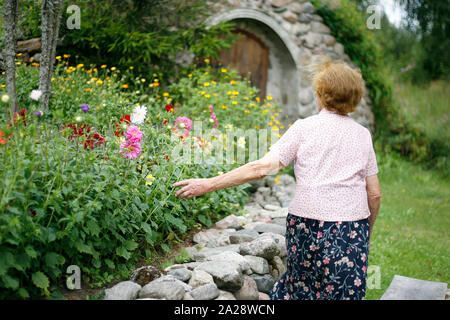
pixel 337 194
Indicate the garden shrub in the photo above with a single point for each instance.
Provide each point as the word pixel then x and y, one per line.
pixel 69 197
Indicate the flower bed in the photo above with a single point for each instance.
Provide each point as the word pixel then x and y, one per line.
pixel 89 183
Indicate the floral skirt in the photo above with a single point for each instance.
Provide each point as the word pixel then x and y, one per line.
pixel 325 260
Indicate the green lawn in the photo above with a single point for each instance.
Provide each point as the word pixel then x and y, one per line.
pixel 411 233
pixel 427 106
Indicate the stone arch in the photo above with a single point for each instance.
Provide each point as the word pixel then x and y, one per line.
pixel 283 81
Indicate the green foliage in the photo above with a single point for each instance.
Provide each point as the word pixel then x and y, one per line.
pixel 349 27
pixel 144 34
pixel 63 204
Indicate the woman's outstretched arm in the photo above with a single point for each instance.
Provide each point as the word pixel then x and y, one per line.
pixel 251 171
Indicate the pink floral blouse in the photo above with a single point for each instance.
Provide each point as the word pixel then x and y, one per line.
pixel 332 155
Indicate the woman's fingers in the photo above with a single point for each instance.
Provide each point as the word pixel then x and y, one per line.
pixel 182 190
pixel 180 183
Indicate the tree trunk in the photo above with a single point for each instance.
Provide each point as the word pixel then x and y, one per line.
pixel 11 9
pixel 51 13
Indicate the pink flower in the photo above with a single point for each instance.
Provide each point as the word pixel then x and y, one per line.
pixel 330 288
pixel 134 134
pixel 291 222
pixel 294 248
pixel 326 260
pixel 357 282
pixel 183 123
pixel 130 149
pixel 364 269
pixel 318 295
pixel 319 235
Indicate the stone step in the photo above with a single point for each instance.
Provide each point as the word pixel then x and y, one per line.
pixel 405 288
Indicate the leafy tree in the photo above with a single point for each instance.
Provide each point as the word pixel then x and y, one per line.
pixel 431 19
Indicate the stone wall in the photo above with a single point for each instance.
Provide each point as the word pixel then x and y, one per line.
pixel 295 34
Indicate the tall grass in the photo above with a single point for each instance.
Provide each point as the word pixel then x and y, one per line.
pixel 427 105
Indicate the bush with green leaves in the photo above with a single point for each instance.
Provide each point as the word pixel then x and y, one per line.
pixel 66 200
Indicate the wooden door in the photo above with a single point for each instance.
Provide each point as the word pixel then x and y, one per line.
pixel 248 55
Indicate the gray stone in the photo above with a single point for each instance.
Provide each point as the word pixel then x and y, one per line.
pixel 308 8
pixel 187 296
pixel 281 213
pixel 264 282
pixel 306 96
pixel 279 221
pixel 278 264
pixel 227 276
pixel 264 247
pixel 271 207
pixel 270 227
pixel 213 237
pixel 243 235
pixel 339 49
pixel 248 291
pixel 234 257
pixel 300 28
pixel 290 16
pixel 204 253
pixel 329 40
pixel 231 221
pixel 304 18
pixel 265 191
pixel 145 274
pixel 200 278
pixel 166 287
pixel 225 295
pixel 263 296
pixel 320 27
pixel 182 274
pixel 125 290
pixel 296 7
pixel 205 292
pixel 405 288
pixel 312 39
pixel 187 265
pixel 257 264
pixel 279 240
pixel 279 3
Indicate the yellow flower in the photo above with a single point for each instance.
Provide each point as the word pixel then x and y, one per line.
pixel 207 95
pixel 125 86
pixel 169 99
pixel 68 90
pixel 3 85
pixel 156 80
pixel 277 181
pixel 269 97
pixel 229 92
pixel 223 70
pixel 206 60
pixel 233 82
pixel 143 80
pixel 246 111
pixel 246 98
pixel 206 84
pixel 18 62
pixel 100 82
pixel 113 69
pixel 88 89
pixel 257 99
pixel 149 180
pixel 131 68
pixel 270 123
pixel 165 94
pixel 66 56
pixel 213 82
pixel 190 75
pixel 89 71
pixel 98 107
pixel 80 65
pixel 58 58
pixel 103 66
pixel 155 84
pixel 234 102
pixel 95 69
pixel 275 128
pixel 220 173
pixel 235 93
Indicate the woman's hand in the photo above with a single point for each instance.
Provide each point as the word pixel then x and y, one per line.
pixel 192 188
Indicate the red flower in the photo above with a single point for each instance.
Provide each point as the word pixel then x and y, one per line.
pixel 124 119
pixel 165 122
pixel 169 108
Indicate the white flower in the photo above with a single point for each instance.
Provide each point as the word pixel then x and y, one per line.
pixel 5 98
pixel 35 94
pixel 78 119
pixel 241 142
pixel 138 115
